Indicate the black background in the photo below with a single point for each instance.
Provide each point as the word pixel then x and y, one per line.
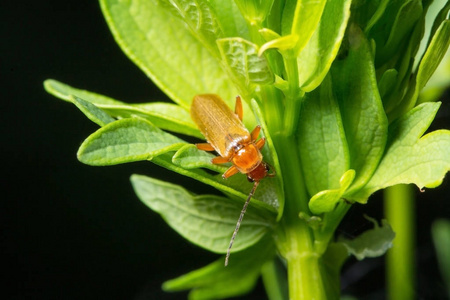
pixel 77 232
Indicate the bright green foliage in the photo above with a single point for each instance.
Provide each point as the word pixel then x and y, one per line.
pixel 171 47
pixel 362 113
pixel 91 111
pixel 326 40
pixel 244 64
pixel 326 200
pixel 189 214
pixel 334 85
pixel 428 157
pixel 216 282
pixel 163 115
pixel 126 140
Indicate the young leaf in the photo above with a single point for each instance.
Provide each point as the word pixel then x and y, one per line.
pixel 207 221
pixel 275 41
pixel 91 111
pixel 243 63
pixel 230 19
pixel 321 140
pixel 377 15
pixel 167 52
pixel 325 201
pixel 199 17
pixel 124 141
pixel 430 61
pixel 409 158
pixel 412 11
pixel 362 112
pixel 387 82
pixel 371 243
pixel 326 40
pixel 306 18
pixel 254 11
pixel 216 282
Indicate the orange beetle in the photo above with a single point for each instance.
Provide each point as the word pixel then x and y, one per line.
pixel 226 134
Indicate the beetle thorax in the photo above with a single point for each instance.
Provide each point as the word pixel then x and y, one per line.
pixel 246 157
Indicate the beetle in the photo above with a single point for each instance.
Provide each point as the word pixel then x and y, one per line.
pixel 226 134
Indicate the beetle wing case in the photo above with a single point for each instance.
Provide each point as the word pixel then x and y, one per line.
pixel 218 123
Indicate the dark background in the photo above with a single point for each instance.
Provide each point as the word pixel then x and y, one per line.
pixel 77 232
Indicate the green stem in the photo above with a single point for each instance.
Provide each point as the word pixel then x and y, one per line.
pixel 293 96
pixel 331 221
pixel 295 239
pixel 399 211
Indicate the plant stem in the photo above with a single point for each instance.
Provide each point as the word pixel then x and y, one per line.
pixel 399 211
pixel 331 221
pixel 295 239
pixel 293 96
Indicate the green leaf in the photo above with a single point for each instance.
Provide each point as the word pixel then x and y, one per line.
pixel 321 140
pixel 93 113
pixel 236 186
pixel 371 243
pixel 124 141
pixel 214 281
pixel 430 61
pixel 326 40
pixel 243 63
pixel 411 11
pixel 377 15
pixel 325 201
pixel 441 237
pixel 200 18
pixel 362 112
pixel 440 16
pixel 387 82
pixel 438 83
pixel 305 21
pixel 403 64
pixel 230 18
pixel 409 158
pixel 207 221
pixel 160 45
pixel 163 115
pixel 254 11
pixel 432 58
pixel 64 91
pixel 189 157
pixel 275 41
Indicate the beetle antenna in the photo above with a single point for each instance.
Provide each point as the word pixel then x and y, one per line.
pixel 238 224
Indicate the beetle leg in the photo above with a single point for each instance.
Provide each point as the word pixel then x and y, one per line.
pixel 238 108
pixel 205 147
pixel 255 132
pixel 230 172
pixel 260 143
pixel 219 160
